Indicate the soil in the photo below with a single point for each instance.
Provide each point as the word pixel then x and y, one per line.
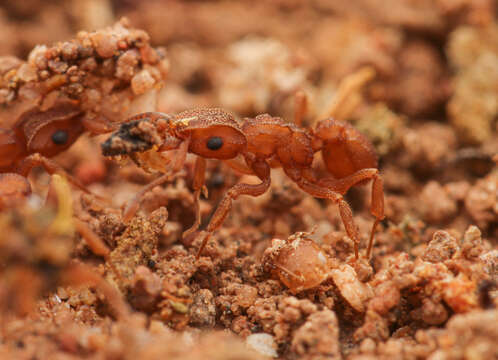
pixel 279 278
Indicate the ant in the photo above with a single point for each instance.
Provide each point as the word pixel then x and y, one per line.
pixel 263 142
pixel 35 137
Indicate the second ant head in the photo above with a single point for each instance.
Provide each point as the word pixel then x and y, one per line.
pixel 211 133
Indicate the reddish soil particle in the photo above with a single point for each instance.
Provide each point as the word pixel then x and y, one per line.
pixel 318 337
pixel 428 291
pixel 203 311
pixel 441 248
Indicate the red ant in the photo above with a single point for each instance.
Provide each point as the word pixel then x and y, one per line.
pixel 36 136
pixel 264 142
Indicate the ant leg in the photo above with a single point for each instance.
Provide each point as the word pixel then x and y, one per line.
pixel 376 209
pixel 300 107
pixel 13 189
pixel 377 202
pixel 79 273
pixel 239 166
pixel 198 186
pixel 133 205
pixel 326 193
pixel 226 203
pixel 51 167
pixel 344 184
pixel 94 242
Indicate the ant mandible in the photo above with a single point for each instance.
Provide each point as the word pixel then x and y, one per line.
pixel 264 142
pixel 35 137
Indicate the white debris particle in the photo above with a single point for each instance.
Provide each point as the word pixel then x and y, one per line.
pixel 263 344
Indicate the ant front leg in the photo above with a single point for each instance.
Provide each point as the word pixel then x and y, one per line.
pixel 263 171
pixel 51 167
pixel 133 205
pixel 377 203
pixel 325 193
pixel 198 186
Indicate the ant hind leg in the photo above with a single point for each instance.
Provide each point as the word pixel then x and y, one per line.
pixel 377 201
pixel 322 192
pixel 226 204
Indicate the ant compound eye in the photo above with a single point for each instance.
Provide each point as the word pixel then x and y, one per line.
pixel 214 143
pixel 60 137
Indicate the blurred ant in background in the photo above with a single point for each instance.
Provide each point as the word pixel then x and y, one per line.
pixel 36 137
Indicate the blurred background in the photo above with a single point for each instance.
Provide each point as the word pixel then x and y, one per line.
pixel 250 55
pixel 429 106
pixel 430 111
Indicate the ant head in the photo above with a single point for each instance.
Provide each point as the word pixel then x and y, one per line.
pixel 52 131
pixel 214 133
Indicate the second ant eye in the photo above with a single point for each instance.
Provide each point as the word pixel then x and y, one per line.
pixel 60 137
pixel 214 143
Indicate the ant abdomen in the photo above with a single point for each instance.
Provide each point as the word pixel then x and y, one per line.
pixel 344 149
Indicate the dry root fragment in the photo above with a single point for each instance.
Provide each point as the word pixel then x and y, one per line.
pixel 36 249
